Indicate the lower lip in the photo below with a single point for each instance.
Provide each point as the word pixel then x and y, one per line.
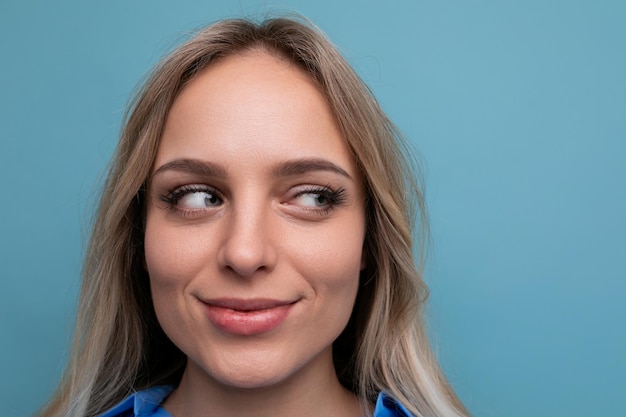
pixel 247 323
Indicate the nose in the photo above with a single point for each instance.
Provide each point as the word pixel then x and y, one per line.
pixel 247 247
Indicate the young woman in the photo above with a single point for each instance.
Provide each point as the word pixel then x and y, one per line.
pixel 252 252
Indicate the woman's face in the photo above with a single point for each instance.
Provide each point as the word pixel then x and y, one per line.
pixel 255 224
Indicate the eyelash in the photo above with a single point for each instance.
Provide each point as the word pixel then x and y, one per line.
pixel 334 198
pixel 174 196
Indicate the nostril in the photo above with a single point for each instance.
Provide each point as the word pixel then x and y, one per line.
pixel 245 258
pixel 247 248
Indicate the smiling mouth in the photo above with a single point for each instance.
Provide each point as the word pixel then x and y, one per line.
pixel 247 317
pixel 246 305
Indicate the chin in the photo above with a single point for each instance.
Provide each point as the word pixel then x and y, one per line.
pixel 251 378
pixel 256 370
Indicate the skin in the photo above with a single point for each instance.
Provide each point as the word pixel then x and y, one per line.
pixel 252 141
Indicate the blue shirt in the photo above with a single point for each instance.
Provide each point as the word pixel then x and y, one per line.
pixel 147 403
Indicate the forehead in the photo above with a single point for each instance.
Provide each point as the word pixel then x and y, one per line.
pixel 253 83
pixel 253 101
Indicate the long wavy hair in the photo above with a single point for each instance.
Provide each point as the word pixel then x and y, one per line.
pixel 119 347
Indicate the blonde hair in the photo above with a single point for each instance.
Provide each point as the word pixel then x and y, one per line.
pixel 119 346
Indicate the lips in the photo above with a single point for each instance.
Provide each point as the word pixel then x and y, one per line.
pixel 247 317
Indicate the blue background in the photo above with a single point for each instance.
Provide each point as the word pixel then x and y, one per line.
pixel 518 109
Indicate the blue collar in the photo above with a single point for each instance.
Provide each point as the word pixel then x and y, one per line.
pixel 147 403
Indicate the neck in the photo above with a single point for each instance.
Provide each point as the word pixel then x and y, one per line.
pixel 312 391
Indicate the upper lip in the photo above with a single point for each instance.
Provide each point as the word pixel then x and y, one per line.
pixel 249 304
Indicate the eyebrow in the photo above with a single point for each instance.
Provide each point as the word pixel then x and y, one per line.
pixel 193 166
pixel 302 166
pixel 286 169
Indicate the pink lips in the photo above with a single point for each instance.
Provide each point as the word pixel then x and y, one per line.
pixel 247 317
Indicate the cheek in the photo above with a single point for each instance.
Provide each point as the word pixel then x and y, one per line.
pixel 161 260
pixel 336 283
pixel 172 260
pixel 332 262
pixel 172 254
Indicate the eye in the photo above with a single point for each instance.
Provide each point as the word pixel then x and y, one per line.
pixel 192 197
pixel 313 199
pixel 321 199
pixel 198 200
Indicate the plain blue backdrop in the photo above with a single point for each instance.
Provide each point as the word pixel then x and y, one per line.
pixel 518 109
